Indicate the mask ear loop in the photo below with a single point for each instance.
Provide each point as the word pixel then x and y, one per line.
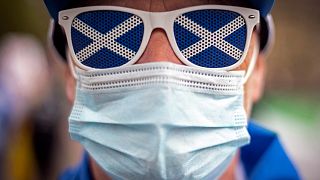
pixel 253 60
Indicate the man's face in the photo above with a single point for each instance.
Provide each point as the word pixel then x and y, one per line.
pixel 159 49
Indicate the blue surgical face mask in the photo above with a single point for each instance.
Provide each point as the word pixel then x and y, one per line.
pixel 160 120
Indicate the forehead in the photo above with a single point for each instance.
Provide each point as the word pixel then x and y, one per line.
pixel 158 5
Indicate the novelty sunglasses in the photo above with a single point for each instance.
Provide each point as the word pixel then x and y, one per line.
pixel 208 36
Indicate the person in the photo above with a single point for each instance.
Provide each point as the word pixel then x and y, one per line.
pixel 162 89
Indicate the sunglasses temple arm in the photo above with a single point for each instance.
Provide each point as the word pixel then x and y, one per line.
pixel 71 65
pixel 252 62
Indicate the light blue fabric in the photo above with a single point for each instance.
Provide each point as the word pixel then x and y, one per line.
pixel 264 158
pixel 162 130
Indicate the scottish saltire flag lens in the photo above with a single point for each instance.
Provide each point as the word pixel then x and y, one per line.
pixel 208 38
pixel 106 39
pixel 211 38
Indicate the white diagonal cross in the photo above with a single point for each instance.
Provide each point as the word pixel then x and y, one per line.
pixel 107 40
pixel 209 39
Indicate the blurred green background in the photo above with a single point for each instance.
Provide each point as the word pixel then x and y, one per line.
pixel 291 105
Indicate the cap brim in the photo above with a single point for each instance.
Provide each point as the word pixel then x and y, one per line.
pixel 54 6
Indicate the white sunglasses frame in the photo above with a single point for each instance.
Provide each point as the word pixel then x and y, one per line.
pixel 162 20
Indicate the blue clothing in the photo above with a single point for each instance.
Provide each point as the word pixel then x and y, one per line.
pixel 263 158
pixel 6 106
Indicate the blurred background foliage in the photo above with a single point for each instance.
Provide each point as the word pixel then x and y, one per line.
pixel 25 16
pixel 291 105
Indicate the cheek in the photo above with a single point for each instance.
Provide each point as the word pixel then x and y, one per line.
pixel 244 65
pixel 248 90
pixel 248 87
pixel 70 88
pixel 248 102
pixel 70 81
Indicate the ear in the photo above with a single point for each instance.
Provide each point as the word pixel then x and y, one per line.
pixel 257 78
pixel 70 85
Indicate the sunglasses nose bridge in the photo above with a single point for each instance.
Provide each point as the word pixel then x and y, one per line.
pixel 158 20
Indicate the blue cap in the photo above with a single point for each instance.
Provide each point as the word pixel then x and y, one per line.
pixel 54 6
pixel 264 6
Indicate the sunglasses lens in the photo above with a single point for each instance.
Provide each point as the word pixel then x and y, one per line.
pixel 211 38
pixel 106 39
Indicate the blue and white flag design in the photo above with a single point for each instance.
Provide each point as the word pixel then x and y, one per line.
pixel 105 39
pixel 211 38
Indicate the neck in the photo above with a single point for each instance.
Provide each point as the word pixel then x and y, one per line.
pixel 97 172
pixel 230 173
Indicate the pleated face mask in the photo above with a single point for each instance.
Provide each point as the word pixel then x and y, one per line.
pixel 160 120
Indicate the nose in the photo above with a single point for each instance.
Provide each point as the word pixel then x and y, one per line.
pixel 158 49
